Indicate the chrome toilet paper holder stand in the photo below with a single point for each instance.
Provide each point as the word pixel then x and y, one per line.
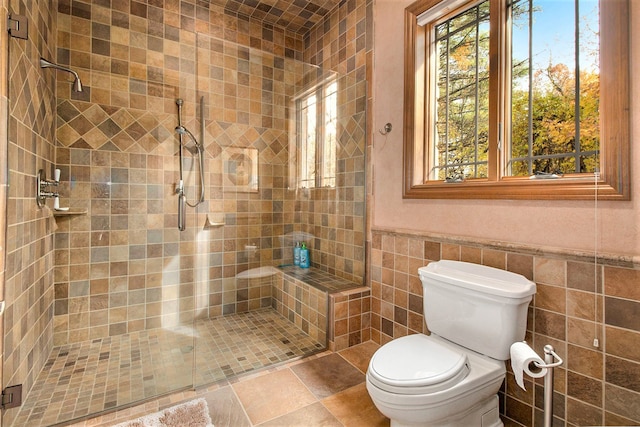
pixel 551 360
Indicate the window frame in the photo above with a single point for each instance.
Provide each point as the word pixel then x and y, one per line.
pixel 322 94
pixel 611 183
pixel 304 168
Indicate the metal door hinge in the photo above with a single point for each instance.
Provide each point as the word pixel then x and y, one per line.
pixel 12 397
pixel 18 26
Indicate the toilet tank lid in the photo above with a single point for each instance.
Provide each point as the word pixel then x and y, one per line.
pixel 479 277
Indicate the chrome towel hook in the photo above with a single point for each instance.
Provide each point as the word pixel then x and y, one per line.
pixel 386 129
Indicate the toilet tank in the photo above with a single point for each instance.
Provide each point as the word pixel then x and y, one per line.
pixel 478 307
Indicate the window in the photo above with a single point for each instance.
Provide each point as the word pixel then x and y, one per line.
pixel 308 141
pixel 462 95
pixel 517 99
pixel 317 133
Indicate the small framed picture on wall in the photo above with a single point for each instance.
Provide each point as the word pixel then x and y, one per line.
pixel 240 166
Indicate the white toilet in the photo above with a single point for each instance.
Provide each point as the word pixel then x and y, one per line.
pixel 452 377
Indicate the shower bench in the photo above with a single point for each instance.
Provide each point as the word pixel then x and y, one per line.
pixel 329 308
pixel 332 310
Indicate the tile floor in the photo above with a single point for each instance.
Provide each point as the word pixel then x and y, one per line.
pixel 102 374
pixel 326 389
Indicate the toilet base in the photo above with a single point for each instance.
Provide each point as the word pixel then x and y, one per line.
pixel 483 414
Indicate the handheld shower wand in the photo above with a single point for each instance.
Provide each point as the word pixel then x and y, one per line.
pixel 77 84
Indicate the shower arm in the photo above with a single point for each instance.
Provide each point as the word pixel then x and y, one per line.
pixel 77 84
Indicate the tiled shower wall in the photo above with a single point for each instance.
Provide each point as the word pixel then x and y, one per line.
pixel 342 42
pixel 575 302
pixel 28 280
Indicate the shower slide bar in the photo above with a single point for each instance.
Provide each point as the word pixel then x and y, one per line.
pixel 198 150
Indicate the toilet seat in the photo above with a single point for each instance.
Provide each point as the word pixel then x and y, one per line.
pixel 417 364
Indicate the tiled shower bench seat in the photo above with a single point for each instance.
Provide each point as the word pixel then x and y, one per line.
pixel 329 308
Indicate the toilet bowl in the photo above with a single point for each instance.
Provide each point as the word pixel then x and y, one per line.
pixel 448 386
pixel 452 377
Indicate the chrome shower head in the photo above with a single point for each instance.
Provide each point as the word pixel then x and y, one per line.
pixel 181 130
pixel 77 84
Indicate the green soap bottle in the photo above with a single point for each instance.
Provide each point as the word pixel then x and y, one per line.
pixel 304 256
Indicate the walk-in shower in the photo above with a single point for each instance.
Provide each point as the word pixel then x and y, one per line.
pixel 145 301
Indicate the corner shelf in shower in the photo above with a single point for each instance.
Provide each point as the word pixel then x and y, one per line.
pixel 70 212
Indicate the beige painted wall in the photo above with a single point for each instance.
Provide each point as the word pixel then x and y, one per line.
pixel 561 224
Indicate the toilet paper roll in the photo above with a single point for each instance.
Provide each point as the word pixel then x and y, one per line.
pixel 522 362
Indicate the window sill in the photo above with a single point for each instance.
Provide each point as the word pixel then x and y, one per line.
pixel 566 188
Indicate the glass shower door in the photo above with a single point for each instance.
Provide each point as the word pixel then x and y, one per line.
pixel 101 296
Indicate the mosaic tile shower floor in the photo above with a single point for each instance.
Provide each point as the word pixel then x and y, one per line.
pixel 93 376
